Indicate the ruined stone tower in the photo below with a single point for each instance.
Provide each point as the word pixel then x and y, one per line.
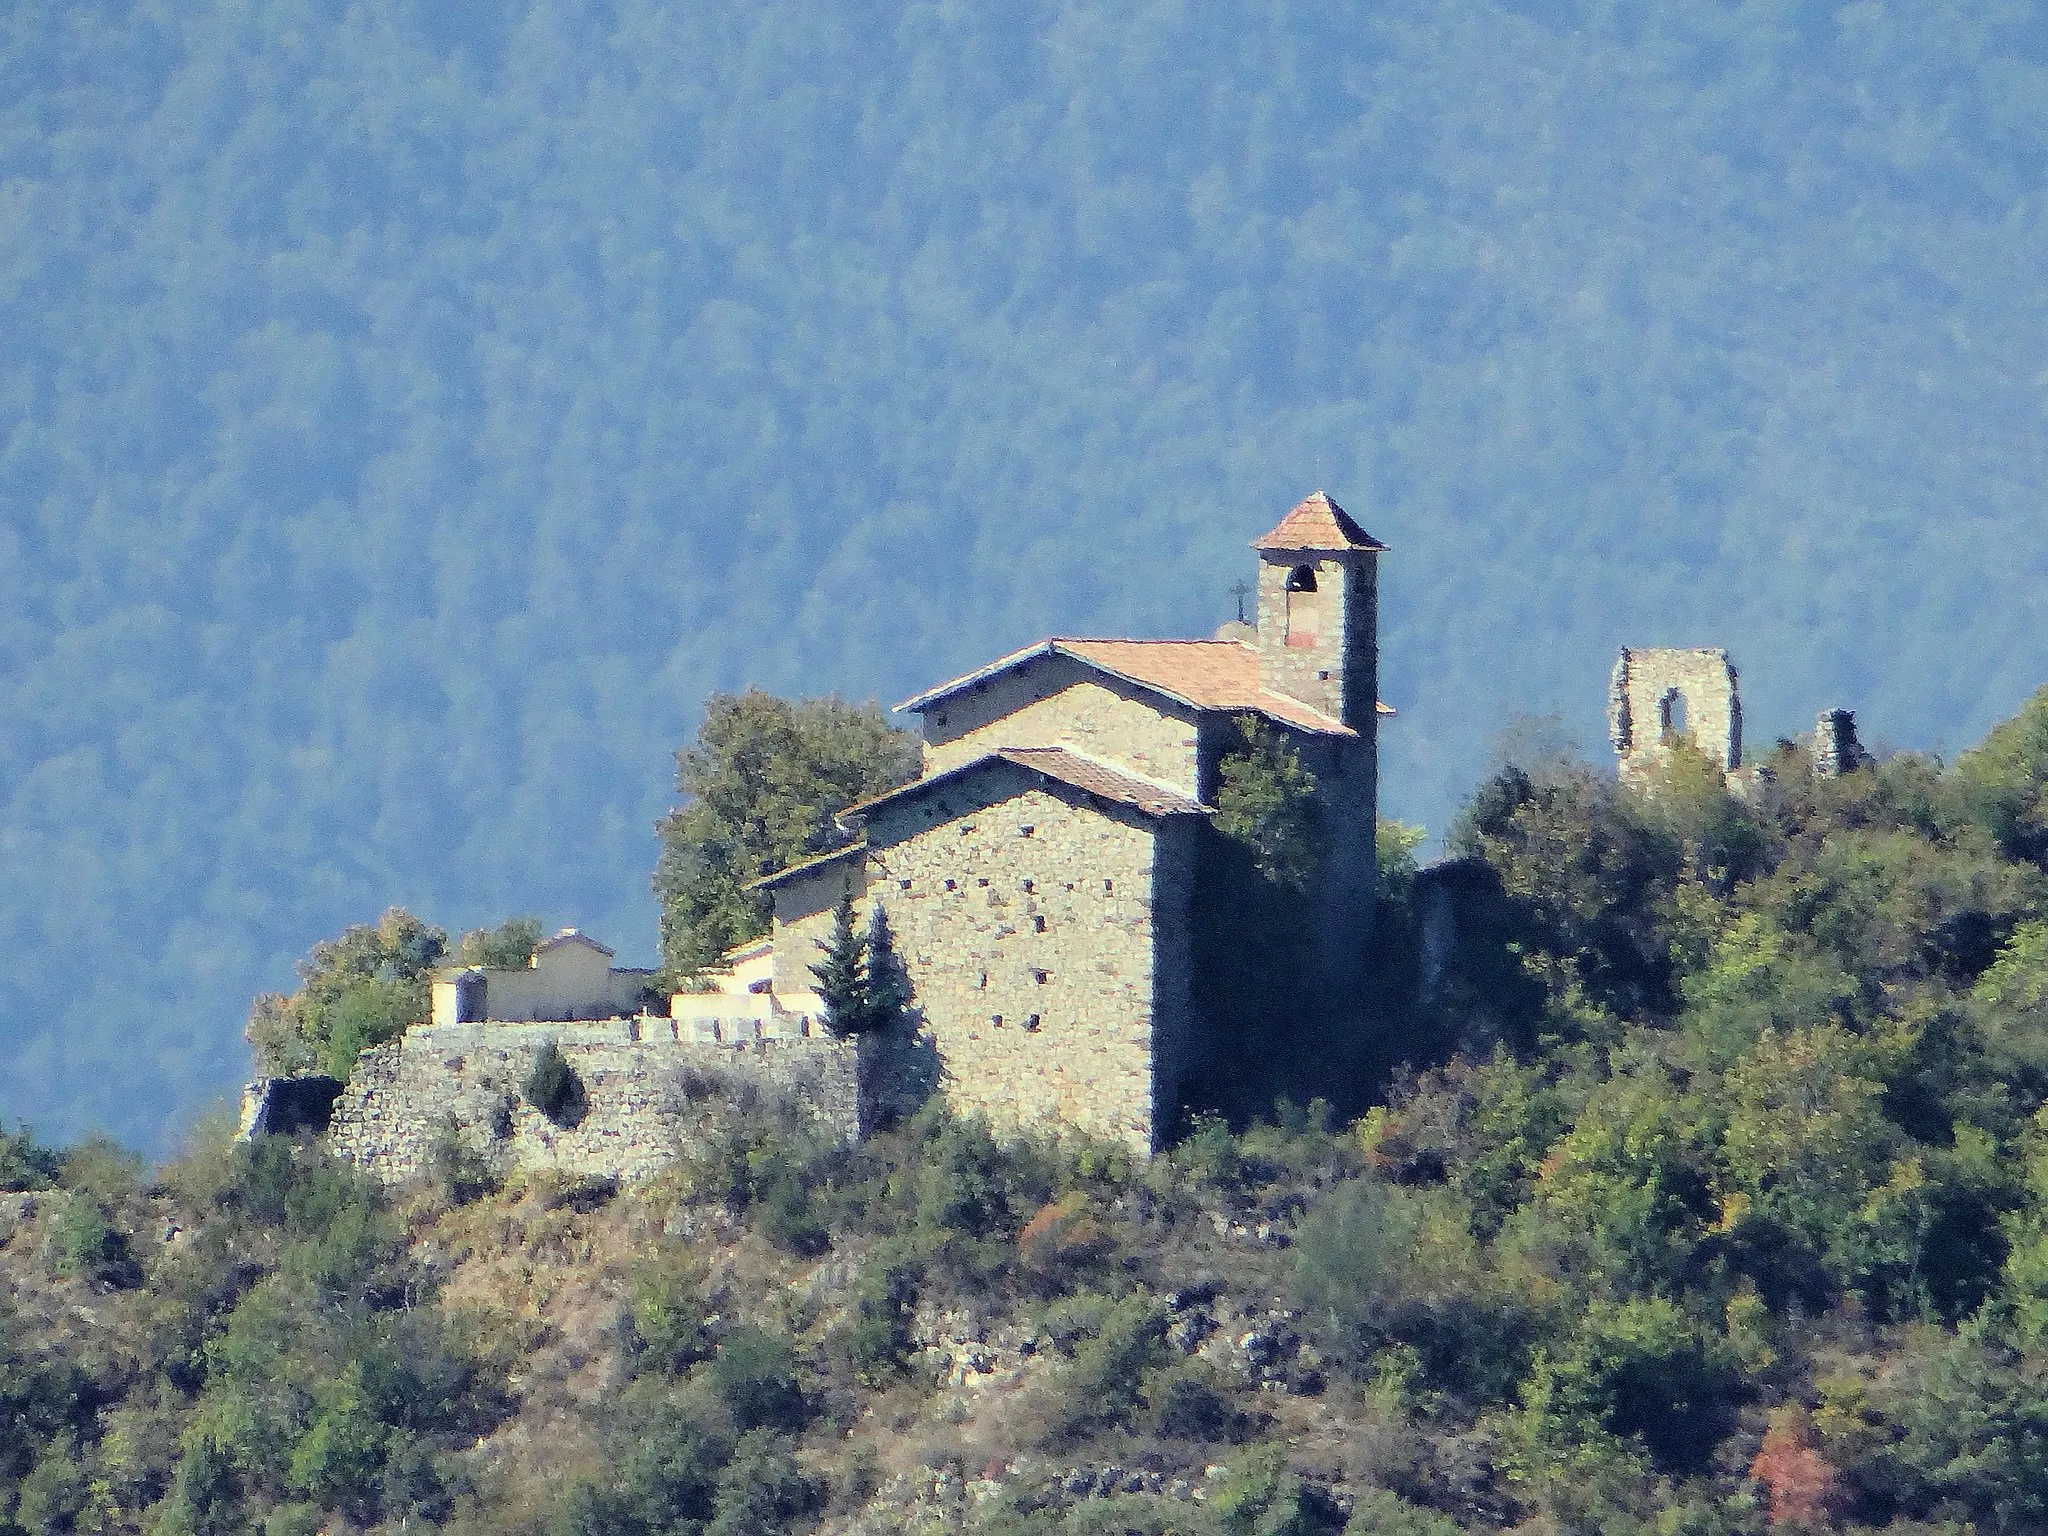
pixel 1658 697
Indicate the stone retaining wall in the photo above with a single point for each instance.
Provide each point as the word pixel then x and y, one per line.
pixel 639 1078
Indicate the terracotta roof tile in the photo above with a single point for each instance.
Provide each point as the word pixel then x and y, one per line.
pixel 805 866
pixel 1318 523
pixel 1208 674
pixel 1103 780
pixel 570 936
pixel 1088 774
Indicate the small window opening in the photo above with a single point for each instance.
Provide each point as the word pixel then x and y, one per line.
pixel 1031 1024
pixel 1304 611
pixel 1671 721
pixel 1038 924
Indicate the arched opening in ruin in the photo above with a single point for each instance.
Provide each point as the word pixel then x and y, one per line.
pixel 1671 719
pixel 1304 614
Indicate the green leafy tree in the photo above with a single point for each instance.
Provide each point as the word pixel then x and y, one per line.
pixel 355 991
pixel 1627 1192
pixel 760 788
pixel 1588 877
pixel 2002 784
pixel 507 947
pixel 1640 1371
pixel 1265 799
pixel 1394 845
pixel 755 1374
pixel 762 1490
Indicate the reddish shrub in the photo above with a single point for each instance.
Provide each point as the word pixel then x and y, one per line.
pixel 1061 1237
pixel 1805 1490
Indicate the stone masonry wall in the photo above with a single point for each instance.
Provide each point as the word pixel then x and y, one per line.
pixel 1056 701
pixel 1641 696
pixel 633 1070
pixel 1025 921
pixel 804 908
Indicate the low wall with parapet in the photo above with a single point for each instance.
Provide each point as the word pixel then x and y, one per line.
pixel 639 1077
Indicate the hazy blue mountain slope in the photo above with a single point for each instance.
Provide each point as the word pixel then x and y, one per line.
pixel 407 414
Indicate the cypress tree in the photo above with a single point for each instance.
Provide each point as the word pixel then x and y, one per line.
pixel 843 974
pixel 888 983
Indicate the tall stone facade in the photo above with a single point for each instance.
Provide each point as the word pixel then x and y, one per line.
pixel 1041 928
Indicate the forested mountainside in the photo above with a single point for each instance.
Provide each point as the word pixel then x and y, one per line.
pixel 410 411
pixel 1720 1207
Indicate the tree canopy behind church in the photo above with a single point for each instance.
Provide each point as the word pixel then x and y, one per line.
pixel 760 788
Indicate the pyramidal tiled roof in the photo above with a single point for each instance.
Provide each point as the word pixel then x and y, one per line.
pixel 1318 523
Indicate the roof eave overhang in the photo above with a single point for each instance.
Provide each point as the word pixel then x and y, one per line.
pixel 918 787
pixel 769 882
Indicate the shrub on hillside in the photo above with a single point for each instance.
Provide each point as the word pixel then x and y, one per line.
pixel 459 1171
pixel 83 1242
pixel 553 1087
pixel 755 1373
pixel 1378 1264
pixel 1103 1386
pixel 665 1320
pixel 24 1163
pixel 1187 1403
pixel 1641 1372
pixel 873 1344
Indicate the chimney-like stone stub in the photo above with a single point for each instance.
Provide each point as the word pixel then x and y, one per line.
pixel 1656 696
pixel 1836 750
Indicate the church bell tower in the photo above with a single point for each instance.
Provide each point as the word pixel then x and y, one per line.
pixel 1318 625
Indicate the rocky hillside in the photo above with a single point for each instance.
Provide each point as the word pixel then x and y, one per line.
pixel 1712 1199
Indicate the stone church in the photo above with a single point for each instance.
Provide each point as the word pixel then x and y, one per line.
pixel 1050 873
